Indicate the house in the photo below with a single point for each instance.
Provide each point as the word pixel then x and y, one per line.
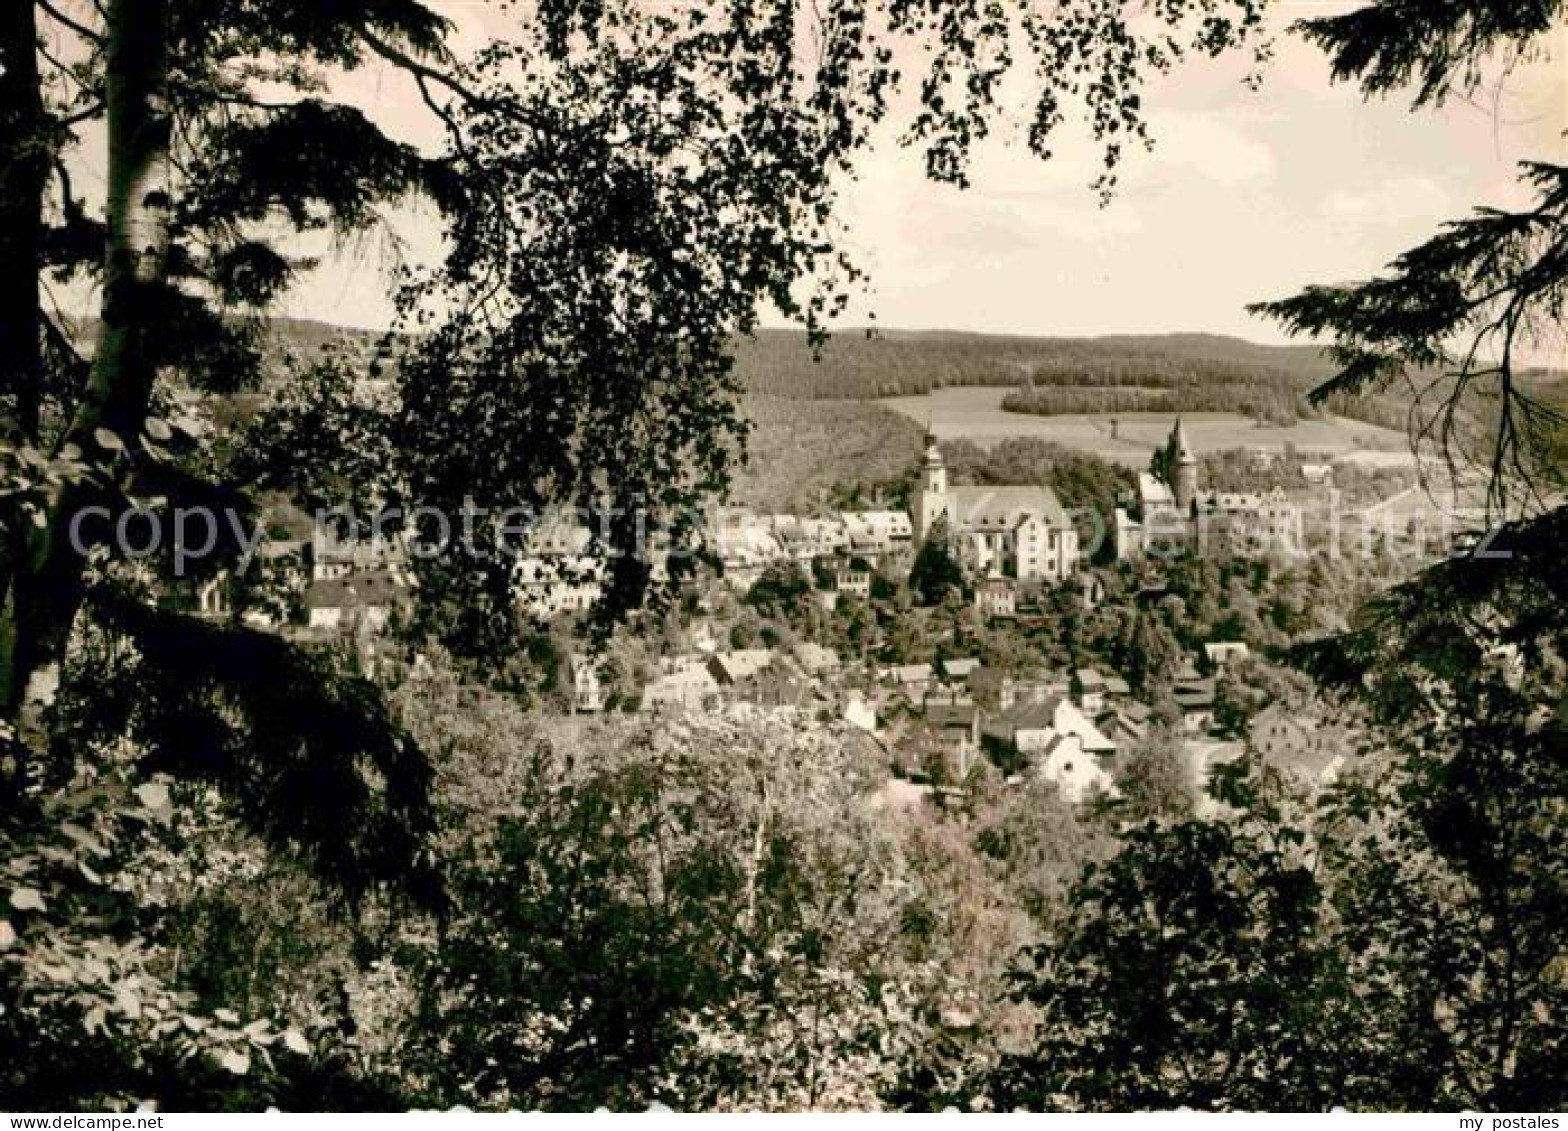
pixel 1077 774
pixel 746 547
pixel 686 685
pixel 366 600
pixel 996 598
pixel 334 559
pixel 286 560
pixel 953 713
pixel 860 714
pixel 804 540
pixel 1223 652
pixel 877 535
pixel 1070 720
pixel 778 685
pixel 730 669
pixel 1195 696
pixel 1299 744
pixel 815 660
pixel 1089 688
pixel 952 717
pixel 1033 688
pixel 1029 728
pixel 589 693
pixel 912 679
pixel 1024 728
pixel 548 586
pixel 958 670
pixel 1126 724
pixel 853 579
pixel 1318 474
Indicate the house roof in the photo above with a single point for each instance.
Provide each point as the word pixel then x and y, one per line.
pixel 911 673
pixel 1002 508
pixel 365 590
pixel 877 525
pixel 816 658
pixel 680 684
pixel 275 548
pixel 1196 695
pixel 949 716
pixel 1119 723
pixel 958 669
pixel 1030 716
pixel 1135 710
pixel 743 663
pixel 1093 739
pixel 1220 649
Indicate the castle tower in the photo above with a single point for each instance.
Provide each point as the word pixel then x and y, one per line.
pixel 1185 469
pixel 931 493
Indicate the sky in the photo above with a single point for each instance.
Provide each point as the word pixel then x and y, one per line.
pixel 1248 195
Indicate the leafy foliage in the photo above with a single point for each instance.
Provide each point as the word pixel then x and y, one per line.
pixel 936 575
pixel 1188 973
pixel 1439 50
pixel 706 913
pixel 1465 668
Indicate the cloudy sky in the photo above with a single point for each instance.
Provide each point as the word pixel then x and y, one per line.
pixel 1248 195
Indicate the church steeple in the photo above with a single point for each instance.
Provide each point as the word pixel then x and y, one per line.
pixel 931 494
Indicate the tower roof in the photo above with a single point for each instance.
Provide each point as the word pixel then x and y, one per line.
pixel 933 452
pixel 1180 443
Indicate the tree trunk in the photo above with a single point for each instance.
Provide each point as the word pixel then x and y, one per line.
pixel 45 593
pixel 24 169
pixel 26 149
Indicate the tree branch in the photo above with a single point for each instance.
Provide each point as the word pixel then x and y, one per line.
pixel 63 20
pixel 425 74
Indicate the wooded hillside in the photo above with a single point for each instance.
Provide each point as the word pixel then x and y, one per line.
pixel 1128 373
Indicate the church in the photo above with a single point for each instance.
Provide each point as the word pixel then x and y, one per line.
pixel 1015 532
pixel 1178 517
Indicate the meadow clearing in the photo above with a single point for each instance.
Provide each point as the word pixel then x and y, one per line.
pixel 975 413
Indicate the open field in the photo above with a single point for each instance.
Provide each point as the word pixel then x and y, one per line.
pixel 975 413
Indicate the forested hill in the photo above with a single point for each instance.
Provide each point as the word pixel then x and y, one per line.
pixel 1119 374
pixel 779 362
pixel 301 339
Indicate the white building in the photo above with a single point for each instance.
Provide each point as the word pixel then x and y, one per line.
pixel 1018 532
pixel 877 535
pixel 1178 516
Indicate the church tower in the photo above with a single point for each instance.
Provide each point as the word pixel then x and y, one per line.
pixel 931 494
pixel 1184 468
